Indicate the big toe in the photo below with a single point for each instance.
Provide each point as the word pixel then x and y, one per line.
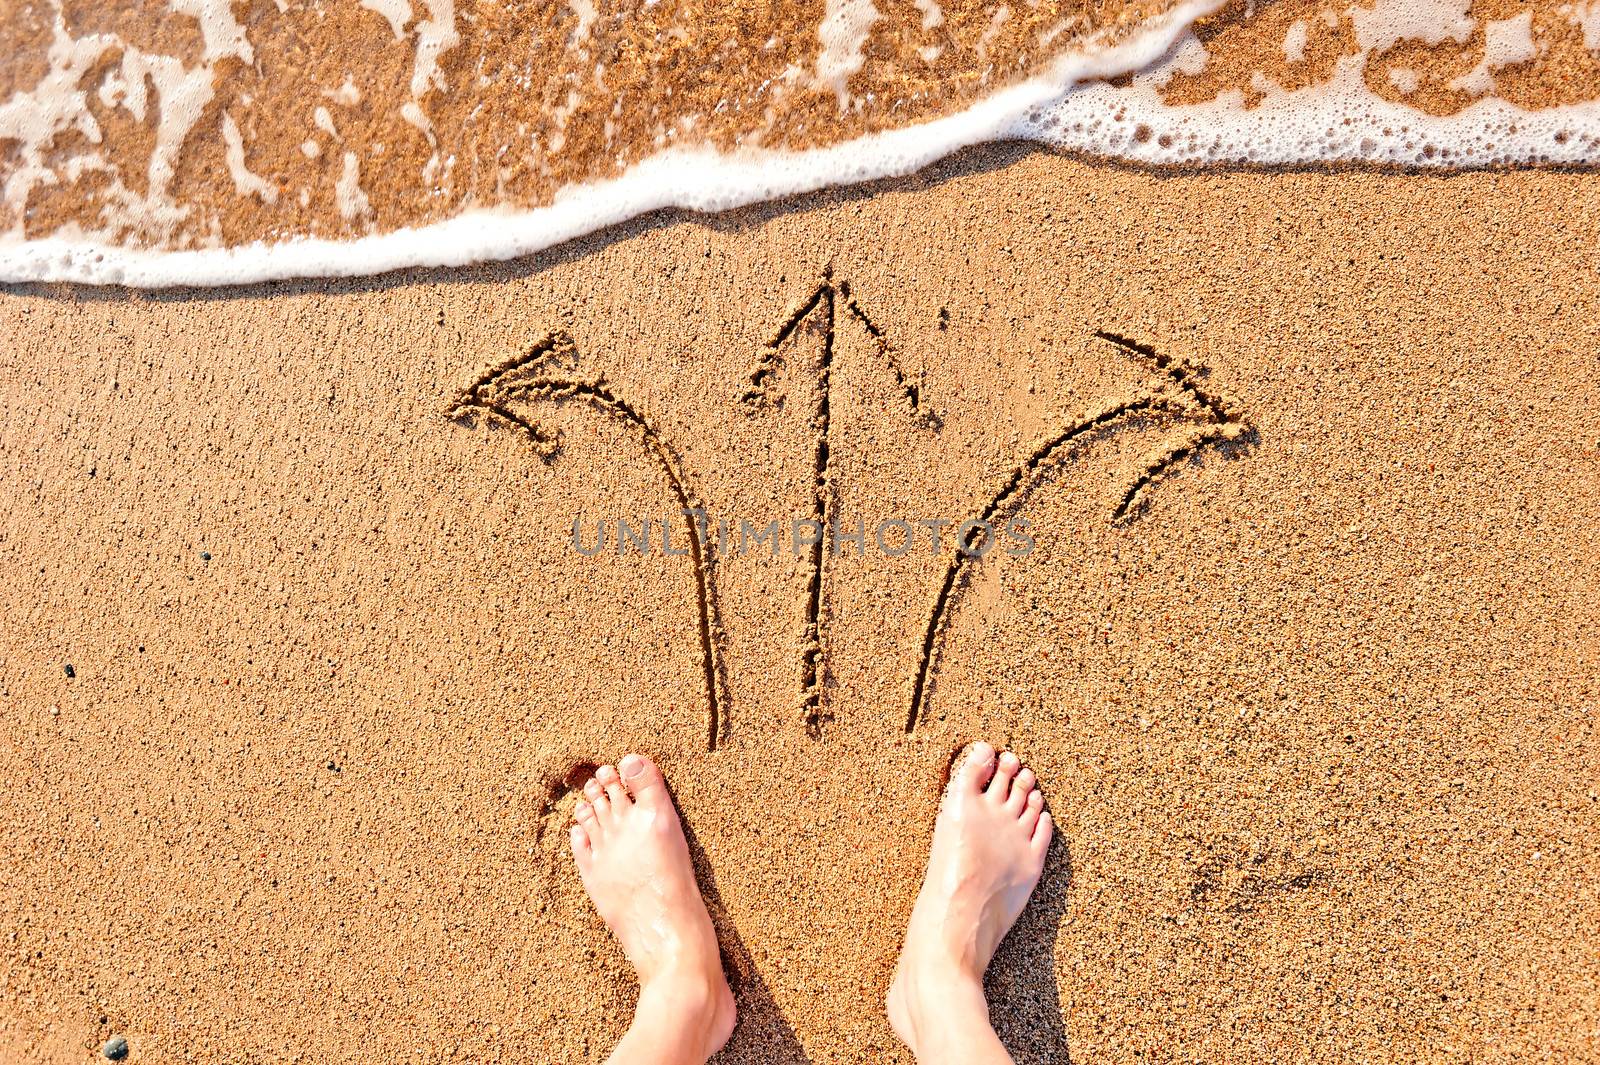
pixel 977 767
pixel 644 780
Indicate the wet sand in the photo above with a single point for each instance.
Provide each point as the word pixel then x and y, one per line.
pixel 131 127
pixel 1314 713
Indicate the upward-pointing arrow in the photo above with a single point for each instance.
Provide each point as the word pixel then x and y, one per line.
pixel 762 389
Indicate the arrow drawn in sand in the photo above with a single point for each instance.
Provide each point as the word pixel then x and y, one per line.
pixel 548 371
pixel 822 309
pixel 1176 395
pixel 541 373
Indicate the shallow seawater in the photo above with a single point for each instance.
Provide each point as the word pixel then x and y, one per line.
pixel 209 142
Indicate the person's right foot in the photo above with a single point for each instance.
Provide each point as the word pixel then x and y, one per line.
pixel 634 862
pixel 989 845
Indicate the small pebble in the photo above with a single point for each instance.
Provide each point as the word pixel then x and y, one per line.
pixel 205 556
pixel 116 1048
pixel 55 711
pixel 70 671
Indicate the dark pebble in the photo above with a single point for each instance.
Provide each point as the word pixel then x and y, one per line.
pixel 205 556
pixel 116 1048
pixel 333 767
pixel 70 671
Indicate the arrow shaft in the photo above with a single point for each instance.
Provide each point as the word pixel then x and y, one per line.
pixel 812 652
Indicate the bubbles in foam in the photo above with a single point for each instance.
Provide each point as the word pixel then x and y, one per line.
pixel 1389 22
pixel 350 197
pixel 1337 120
pixel 1294 42
pixel 395 12
pixel 1586 16
pixel 843 33
pixel 1318 105
pixel 1507 42
pixel 244 180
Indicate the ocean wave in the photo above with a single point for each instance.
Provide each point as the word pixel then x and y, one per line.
pixel 196 151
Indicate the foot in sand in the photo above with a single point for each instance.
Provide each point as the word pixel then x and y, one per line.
pixel 989 844
pixel 634 862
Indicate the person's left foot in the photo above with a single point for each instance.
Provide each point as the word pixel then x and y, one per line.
pixel 634 862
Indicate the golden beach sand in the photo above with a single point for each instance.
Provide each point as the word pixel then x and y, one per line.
pixel 299 661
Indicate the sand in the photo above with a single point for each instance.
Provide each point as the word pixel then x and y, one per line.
pixel 295 667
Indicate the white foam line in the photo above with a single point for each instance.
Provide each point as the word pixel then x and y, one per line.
pixel 1340 121
pixel 691 180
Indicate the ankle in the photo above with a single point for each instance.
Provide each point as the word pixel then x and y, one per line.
pixel 945 988
pixel 689 999
pixel 937 1002
pixel 689 987
pixel 946 964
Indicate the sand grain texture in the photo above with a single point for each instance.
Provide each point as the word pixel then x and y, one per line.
pixel 1316 718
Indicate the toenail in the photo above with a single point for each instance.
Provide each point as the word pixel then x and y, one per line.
pixel 632 766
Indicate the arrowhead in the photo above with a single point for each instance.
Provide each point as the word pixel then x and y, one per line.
pixel 1179 384
pixel 761 389
pixel 828 304
pixel 1179 375
pixel 490 394
pixel 554 351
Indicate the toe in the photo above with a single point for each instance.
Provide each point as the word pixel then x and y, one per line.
pixel 644 780
pixel 580 845
pixel 608 778
pixel 1004 772
pixel 583 814
pixel 1032 807
pixel 977 766
pixel 597 800
pixel 1021 788
pixel 1041 834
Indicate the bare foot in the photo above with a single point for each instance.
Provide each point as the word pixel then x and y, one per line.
pixel 989 845
pixel 634 863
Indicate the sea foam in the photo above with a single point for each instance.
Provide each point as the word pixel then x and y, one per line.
pixel 1069 103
